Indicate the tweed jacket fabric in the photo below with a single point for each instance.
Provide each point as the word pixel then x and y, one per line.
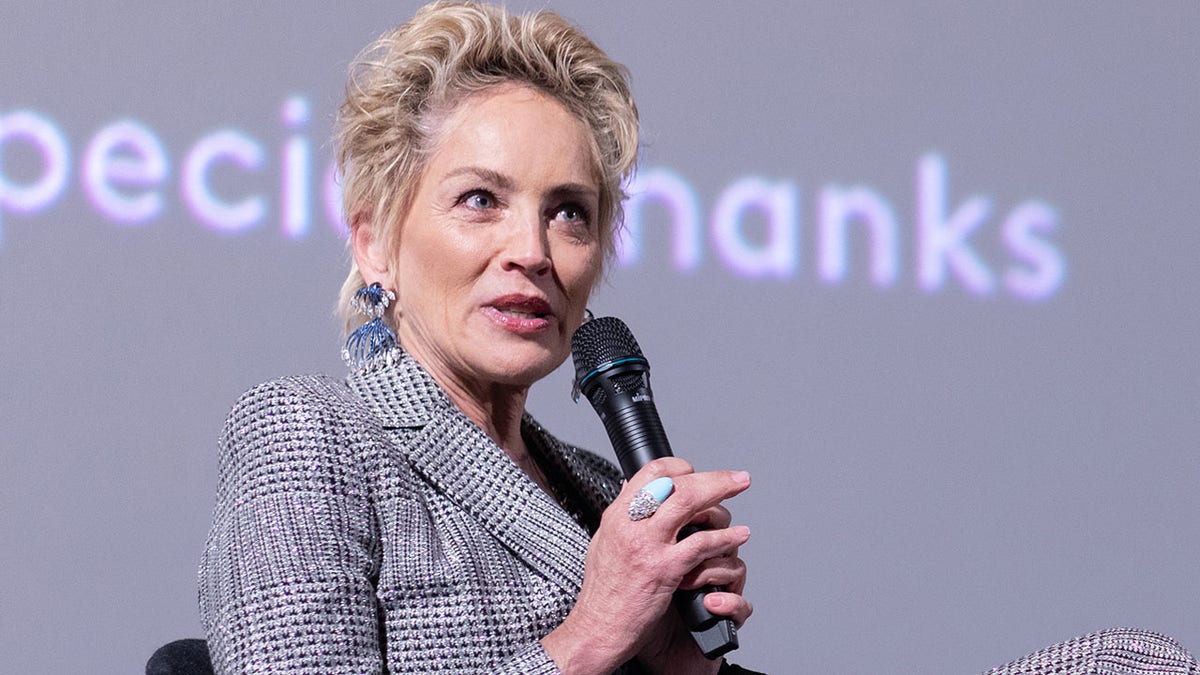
pixel 368 526
pixel 1115 651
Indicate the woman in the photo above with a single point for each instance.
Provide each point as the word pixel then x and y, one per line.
pixel 414 517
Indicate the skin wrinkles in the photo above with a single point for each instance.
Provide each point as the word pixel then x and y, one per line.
pixel 504 209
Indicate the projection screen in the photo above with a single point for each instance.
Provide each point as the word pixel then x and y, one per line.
pixel 928 271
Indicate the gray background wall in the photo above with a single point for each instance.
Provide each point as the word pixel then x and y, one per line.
pixel 946 476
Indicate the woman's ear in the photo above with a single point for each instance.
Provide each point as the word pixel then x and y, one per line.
pixel 370 252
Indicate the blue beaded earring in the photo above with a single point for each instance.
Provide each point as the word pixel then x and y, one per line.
pixel 373 344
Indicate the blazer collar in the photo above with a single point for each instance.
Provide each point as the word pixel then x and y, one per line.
pixel 457 457
pixel 401 395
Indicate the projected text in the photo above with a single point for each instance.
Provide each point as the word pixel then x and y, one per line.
pixel 755 227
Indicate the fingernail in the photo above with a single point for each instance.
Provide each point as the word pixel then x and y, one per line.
pixel 660 488
pixel 742 530
pixel 741 477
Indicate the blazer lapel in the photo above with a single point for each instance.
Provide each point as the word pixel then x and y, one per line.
pixel 457 457
pixel 588 486
pixel 462 462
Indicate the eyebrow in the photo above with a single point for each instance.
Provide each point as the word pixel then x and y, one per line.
pixel 578 190
pixel 495 177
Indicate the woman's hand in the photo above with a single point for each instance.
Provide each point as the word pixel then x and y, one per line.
pixel 671 648
pixel 634 567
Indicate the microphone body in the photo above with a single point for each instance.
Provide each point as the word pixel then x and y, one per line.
pixel 614 375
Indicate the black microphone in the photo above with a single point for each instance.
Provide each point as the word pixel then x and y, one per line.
pixel 614 375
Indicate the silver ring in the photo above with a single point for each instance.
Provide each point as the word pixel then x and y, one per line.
pixel 643 505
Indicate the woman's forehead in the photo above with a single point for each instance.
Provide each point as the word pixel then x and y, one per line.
pixel 514 128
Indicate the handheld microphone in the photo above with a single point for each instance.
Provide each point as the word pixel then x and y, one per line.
pixel 614 375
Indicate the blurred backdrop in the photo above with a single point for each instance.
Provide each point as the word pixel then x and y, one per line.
pixel 927 270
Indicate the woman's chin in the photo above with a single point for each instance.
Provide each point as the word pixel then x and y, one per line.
pixel 521 364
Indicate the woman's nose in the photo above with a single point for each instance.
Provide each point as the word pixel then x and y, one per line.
pixel 527 247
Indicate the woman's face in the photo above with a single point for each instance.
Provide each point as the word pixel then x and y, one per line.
pixel 499 249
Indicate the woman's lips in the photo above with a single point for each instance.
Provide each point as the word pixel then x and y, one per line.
pixel 520 313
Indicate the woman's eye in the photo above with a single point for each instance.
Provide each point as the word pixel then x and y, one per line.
pixel 571 213
pixel 478 199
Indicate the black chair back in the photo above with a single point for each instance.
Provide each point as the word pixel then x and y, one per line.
pixel 181 657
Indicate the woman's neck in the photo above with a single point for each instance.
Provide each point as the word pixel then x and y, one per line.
pixel 499 414
pixel 497 409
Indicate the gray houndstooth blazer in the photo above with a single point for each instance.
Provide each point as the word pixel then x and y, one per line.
pixel 368 525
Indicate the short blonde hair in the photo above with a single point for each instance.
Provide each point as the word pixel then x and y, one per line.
pixel 403 85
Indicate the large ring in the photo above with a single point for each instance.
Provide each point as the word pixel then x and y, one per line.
pixel 648 499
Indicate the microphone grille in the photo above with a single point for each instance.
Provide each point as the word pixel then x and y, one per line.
pixel 599 341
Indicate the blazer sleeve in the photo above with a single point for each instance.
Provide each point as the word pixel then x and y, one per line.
pixel 286 576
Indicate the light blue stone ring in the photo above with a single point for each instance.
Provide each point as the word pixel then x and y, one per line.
pixel 649 498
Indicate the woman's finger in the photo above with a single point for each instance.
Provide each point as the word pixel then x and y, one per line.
pixel 695 493
pixel 731 605
pixel 728 571
pixel 715 518
pixel 700 546
pixel 663 466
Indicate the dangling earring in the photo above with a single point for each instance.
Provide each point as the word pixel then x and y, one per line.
pixel 373 344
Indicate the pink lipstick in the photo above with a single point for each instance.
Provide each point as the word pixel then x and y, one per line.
pixel 520 313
